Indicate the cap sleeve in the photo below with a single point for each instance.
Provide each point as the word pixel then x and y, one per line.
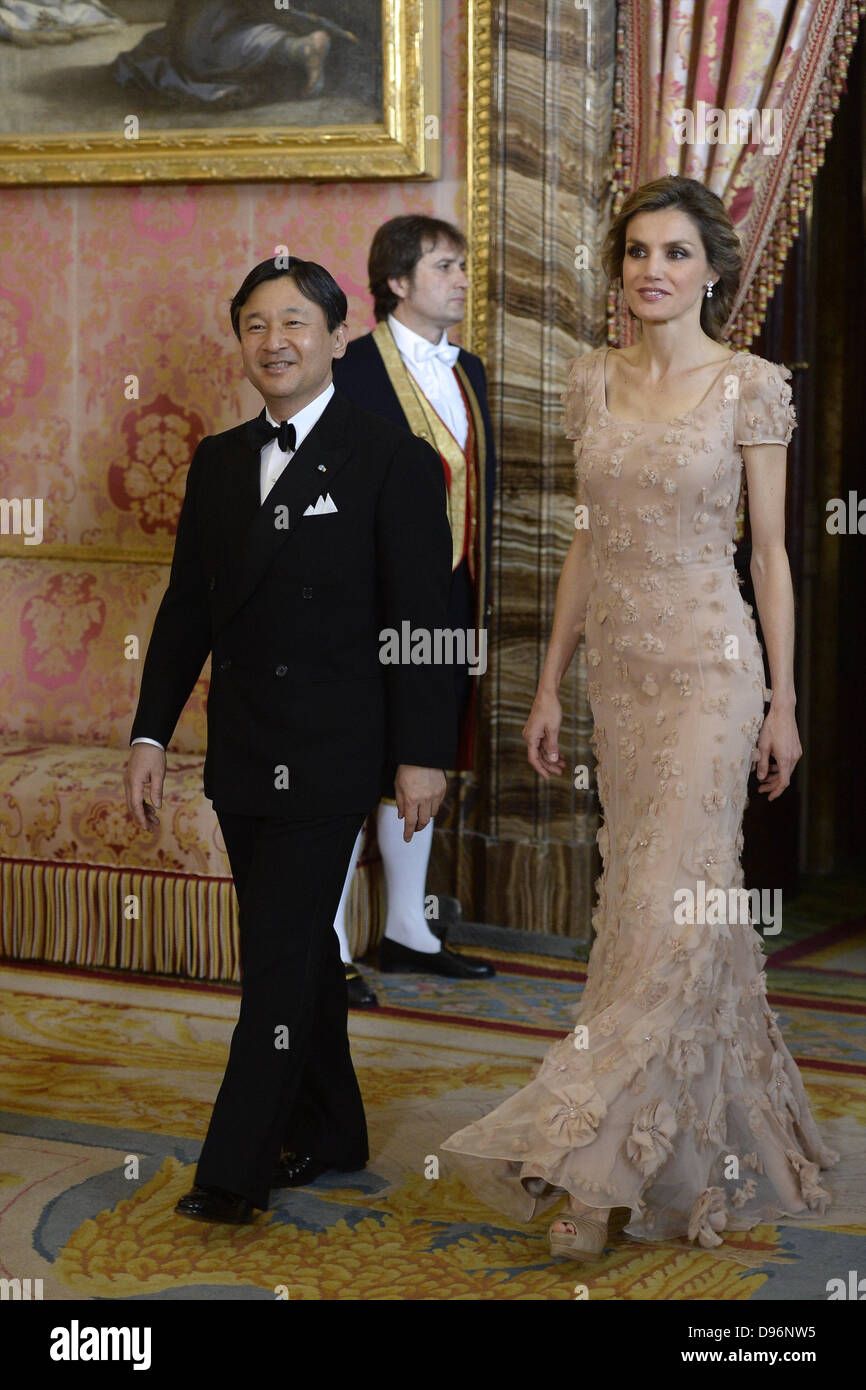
pixel 765 414
pixel 575 398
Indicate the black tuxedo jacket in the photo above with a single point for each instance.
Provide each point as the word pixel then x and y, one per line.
pixel 304 720
pixel 360 374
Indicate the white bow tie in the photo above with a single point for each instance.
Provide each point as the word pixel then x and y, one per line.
pixel 425 352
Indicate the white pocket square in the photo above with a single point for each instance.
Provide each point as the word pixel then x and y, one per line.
pixel 324 505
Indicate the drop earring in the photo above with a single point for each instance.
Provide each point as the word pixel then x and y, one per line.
pixel 709 289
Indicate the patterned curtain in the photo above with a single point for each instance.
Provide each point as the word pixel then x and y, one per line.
pixel 783 59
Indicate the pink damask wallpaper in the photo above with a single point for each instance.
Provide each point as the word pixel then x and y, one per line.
pixel 99 284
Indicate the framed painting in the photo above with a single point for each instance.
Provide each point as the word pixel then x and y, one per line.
pixel 133 91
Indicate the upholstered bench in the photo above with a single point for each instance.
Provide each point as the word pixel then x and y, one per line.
pixel 80 882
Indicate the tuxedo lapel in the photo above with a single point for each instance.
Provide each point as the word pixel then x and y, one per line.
pixel 262 528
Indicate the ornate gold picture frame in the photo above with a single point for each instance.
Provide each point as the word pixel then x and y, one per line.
pixel 164 106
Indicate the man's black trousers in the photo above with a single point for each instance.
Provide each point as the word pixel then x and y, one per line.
pixel 289 1083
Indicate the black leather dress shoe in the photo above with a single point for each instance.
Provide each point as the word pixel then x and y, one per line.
pixel 394 957
pixel 299 1170
pixel 215 1204
pixel 361 996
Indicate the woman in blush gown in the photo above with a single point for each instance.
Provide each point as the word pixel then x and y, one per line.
pixel 676 1095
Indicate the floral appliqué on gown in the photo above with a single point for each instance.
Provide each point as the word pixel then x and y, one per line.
pixel 677 1065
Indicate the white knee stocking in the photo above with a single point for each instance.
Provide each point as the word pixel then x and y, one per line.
pixel 340 918
pixel 405 881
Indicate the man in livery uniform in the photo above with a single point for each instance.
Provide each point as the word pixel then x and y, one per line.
pixel 408 371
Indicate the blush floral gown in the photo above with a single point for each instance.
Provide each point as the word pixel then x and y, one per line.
pixel 677 1066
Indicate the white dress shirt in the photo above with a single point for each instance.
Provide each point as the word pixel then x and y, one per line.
pixel 432 366
pixel 274 460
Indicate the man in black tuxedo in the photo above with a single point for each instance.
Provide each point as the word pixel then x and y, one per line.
pixel 303 535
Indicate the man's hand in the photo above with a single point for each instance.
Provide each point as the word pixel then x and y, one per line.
pixel 145 770
pixel 419 792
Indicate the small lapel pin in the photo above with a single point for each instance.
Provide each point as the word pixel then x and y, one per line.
pixel 322 468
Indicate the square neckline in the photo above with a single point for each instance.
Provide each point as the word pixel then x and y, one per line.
pixel 673 419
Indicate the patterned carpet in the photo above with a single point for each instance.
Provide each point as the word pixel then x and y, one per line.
pixel 839 951
pixel 106 1089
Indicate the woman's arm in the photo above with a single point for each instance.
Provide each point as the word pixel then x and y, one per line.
pixel 774 597
pixel 541 733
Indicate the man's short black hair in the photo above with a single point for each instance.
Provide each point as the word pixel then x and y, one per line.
pixel 313 281
pixel 397 248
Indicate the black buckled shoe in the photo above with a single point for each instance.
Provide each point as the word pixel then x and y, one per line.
pixel 216 1204
pixel 396 958
pixel 361 996
pixel 300 1170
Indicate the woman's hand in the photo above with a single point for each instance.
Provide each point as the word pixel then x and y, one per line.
pixel 541 734
pixel 779 742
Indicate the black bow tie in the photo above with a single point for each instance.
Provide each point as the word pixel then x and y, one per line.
pixel 264 432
